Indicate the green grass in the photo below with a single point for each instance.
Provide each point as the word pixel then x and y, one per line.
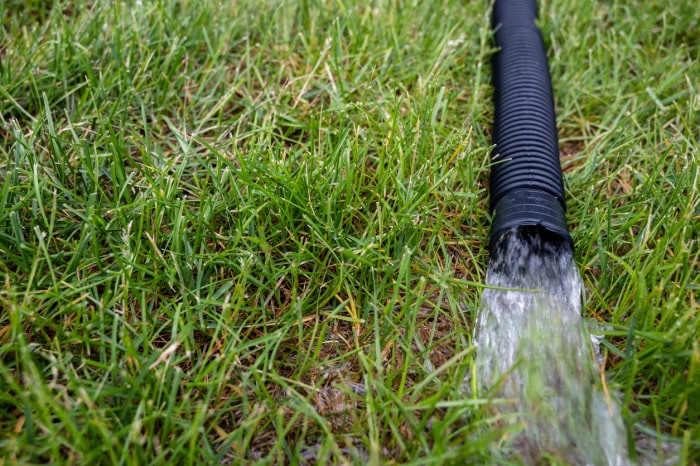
pixel 255 230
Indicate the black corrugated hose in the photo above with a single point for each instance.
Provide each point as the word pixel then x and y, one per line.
pixel 526 180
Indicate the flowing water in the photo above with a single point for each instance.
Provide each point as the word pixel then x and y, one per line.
pixel 534 355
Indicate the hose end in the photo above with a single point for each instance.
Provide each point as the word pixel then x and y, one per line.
pixel 529 207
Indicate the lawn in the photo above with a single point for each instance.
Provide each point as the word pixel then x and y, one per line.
pixel 256 230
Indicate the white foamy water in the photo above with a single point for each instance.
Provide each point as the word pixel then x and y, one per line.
pixel 535 356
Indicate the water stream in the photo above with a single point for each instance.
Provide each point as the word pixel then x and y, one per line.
pixel 536 359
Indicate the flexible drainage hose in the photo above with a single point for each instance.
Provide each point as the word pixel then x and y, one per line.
pixel 526 180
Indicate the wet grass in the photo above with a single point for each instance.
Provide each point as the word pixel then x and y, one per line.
pixel 255 231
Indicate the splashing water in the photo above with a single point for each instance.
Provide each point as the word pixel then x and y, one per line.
pixel 534 354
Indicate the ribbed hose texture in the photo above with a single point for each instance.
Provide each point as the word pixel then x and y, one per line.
pixel 526 180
